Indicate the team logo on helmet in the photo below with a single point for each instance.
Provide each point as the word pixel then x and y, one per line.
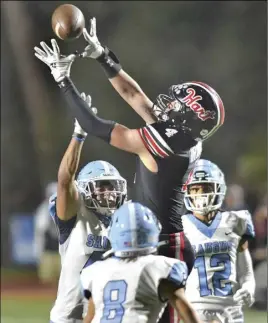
pixel 191 101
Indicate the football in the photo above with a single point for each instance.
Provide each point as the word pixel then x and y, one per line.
pixel 68 22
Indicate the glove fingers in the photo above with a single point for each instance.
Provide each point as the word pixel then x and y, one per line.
pixel 46 48
pixel 41 58
pixel 39 51
pixel 55 46
pixel 88 100
pixel 83 96
pixel 94 110
pixel 84 54
pixel 93 30
pixel 86 35
pixel 238 298
pixel 88 50
pixel 71 57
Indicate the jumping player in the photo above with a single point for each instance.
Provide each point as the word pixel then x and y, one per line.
pixel 167 147
pixel 222 280
pixel 138 284
pixel 81 210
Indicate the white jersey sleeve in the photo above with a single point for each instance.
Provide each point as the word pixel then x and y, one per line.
pixel 241 223
pixel 172 270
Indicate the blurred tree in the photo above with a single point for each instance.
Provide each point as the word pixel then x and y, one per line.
pixel 37 100
pixel 252 164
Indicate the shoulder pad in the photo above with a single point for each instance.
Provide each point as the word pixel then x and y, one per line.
pixel 241 223
pixel 153 140
pixel 178 274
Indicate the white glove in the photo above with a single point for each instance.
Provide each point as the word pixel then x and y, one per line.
pixel 232 314
pixel 94 49
pixel 87 99
pixel 77 128
pixel 60 65
pixel 244 297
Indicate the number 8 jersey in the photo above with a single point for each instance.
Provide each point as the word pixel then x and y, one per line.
pixel 213 280
pixel 126 291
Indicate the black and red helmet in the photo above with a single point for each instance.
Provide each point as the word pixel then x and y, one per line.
pixel 194 106
pixel 189 114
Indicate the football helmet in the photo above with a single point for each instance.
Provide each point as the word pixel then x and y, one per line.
pixel 102 187
pixel 134 231
pixel 192 109
pixel 211 178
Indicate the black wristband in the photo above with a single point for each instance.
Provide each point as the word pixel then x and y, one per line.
pixel 109 63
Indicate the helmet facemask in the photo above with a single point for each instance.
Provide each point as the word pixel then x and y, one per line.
pixel 204 197
pixel 104 195
pixel 164 104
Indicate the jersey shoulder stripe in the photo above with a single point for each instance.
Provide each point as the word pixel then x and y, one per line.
pixel 154 142
pixel 64 228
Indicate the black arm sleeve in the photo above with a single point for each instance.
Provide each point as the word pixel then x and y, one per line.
pixel 87 119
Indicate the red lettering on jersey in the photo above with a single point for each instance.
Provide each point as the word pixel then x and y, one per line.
pixel 191 101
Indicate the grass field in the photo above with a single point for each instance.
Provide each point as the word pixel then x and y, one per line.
pixel 35 309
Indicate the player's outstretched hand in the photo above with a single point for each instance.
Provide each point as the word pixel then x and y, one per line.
pixel 87 99
pixel 60 65
pixel 94 48
pixel 244 297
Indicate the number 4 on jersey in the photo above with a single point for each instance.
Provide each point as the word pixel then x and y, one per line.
pixel 171 132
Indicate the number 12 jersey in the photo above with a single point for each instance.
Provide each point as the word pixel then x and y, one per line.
pixel 213 280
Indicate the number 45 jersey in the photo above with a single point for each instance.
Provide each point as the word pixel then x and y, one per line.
pixel 213 280
pixel 126 291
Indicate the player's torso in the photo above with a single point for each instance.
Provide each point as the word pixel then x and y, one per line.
pixel 88 239
pixel 124 295
pixel 162 191
pixel 213 278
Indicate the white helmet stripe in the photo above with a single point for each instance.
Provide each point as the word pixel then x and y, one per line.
pixel 133 225
pixel 105 166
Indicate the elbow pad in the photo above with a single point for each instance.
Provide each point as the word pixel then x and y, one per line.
pixel 87 119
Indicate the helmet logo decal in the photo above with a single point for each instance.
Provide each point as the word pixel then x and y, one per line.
pixel 191 101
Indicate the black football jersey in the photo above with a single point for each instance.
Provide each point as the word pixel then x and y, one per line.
pixel 162 192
